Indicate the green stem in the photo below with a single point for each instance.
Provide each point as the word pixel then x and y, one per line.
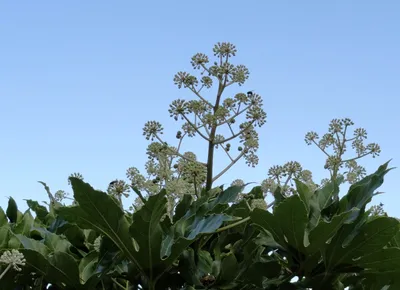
pixel 232 225
pixel 152 285
pixel 118 284
pixel 5 271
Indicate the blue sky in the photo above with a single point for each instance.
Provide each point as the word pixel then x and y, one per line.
pixel 78 79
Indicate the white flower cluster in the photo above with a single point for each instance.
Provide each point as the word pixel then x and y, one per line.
pixel 13 258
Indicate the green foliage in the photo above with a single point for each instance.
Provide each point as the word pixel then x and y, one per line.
pixel 214 242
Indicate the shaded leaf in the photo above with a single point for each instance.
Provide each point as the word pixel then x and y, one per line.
pixel 326 230
pixel 292 217
pixel 40 210
pixel 98 211
pixel 12 210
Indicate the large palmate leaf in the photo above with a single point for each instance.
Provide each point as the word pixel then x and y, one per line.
pixel 288 223
pixel 147 232
pixel 371 237
pixel 361 192
pixel 292 216
pixel 57 268
pixel 266 221
pixel 320 200
pixel 160 243
pixel 384 260
pixel 100 212
pixel 64 269
pixel 326 230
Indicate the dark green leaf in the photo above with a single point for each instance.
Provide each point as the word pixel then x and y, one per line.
pixel 278 196
pixel 257 271
pixel 4 236
pixel 372 237
pixel 56 243
pixel 40 210
pixel 183 206
pixel 64 269
pixel 12 210
pixel 147 231
pixel 292 217
pixel 204 263
pixel 268 222
pixel 326 230
pixel 25 225
pixel 31 244
pixel 256 192
pixel 384 260
pixel 304 192
pixel 3 218
pixel 229 268
pixel 188 267
pixel 98 211
pixel 360 193
pixel 87 266
pixel 207 225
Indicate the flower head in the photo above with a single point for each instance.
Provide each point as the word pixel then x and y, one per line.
pixel 14 258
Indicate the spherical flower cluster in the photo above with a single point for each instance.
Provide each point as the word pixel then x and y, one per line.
pixel 76 175
pixel 206 81
pixel 192 171
pixel 222 71
pixel 377 210
pixel 326 141
pixel 14 259
pixel 137 179
pixel 198 60
pixel 178 108
pixel 336 126
pixel 292 168
pixel 251 159
pixel 268 185
pixel 240 74
pixel 189 130
pixel 238 182
pixel 224 49
pixel 197 107
pixel 185 79
pixel 118 188
pixel 178 188
pixel 97 243
pixel 151 129
pixel 276 172
pixel 306 175
pixel 60 195
pixel 241 98
pixel 333 162
pixel 229 103
pixel 311 137
pixel 258 203
pixel 257 115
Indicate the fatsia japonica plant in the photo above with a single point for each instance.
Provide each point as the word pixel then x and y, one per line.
pixel 213 237
pixel 342 166
pixel 223 121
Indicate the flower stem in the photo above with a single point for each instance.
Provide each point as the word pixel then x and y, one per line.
pixel 5 271
pixel 232 225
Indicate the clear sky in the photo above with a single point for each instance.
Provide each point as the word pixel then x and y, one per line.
pixel 78 79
